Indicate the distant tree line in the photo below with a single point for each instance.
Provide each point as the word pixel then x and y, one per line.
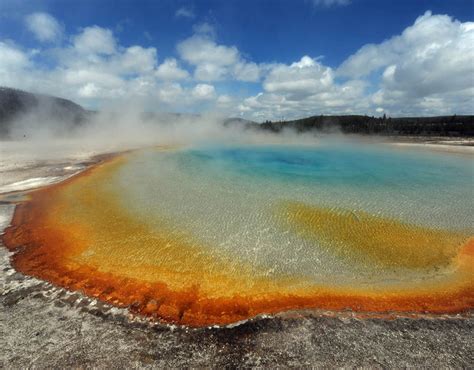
pixel 366 125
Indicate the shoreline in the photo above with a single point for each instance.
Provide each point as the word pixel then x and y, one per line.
pixel 456 145
pixel 437 147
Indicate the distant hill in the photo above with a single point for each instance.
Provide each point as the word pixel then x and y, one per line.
pixel 17 104
pixel 459 126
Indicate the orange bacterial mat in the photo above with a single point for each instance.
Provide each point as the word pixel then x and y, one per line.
pixel 78 235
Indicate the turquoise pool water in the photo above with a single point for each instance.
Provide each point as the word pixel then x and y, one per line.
pixel 227 197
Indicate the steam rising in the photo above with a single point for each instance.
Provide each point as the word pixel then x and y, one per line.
pixel 128 127
pixel 49 143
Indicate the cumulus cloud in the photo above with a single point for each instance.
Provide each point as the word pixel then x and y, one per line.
pixel 185 12
pixel 225 99
pixel 169 70
pixel 95 40
pixel 422 67
pixel 11 57
pixel 204 92
pixel 170 92
pixel 16 67
pixel 302 88
pixel 436 40
pixel 302 78
pixel 214 62
pixel 200 49
pixel 246 71
pixel 94 74
pixel 44 27
pixel 94 69
pixel 204 29
pixel 328 3
pixel 137 59
pixel 347 98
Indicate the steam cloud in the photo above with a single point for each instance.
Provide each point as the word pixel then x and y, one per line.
pixel 127 127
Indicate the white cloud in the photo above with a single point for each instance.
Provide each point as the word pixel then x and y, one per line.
pixel 430 38
pixel 89 90
pixel 86 76
pixel 169 70
pixel 328 3
pixel 115 74
pixel 225 99
pixel 170 93
pixel 11 57
pixel 14 65
pixel 137 59
pixel 83 72
pixel 204 92
pixel 210 72
pixel 204 29
pixel 44 26
pixel 369 58
pixel 249 72
pixel 95 40
pixel 92 68
pixel 422 68
pixel 199 49
pixel 305 87
pixel 345 98
pixel 302 78
pixel 185 12
pixel 215 62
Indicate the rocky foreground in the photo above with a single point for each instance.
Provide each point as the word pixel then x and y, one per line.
pixel 38 329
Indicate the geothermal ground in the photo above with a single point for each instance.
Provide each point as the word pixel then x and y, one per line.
pixel 44 326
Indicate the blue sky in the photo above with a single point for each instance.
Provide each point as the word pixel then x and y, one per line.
pixel 262 59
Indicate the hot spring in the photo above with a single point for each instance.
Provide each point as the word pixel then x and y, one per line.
pixel 214 234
